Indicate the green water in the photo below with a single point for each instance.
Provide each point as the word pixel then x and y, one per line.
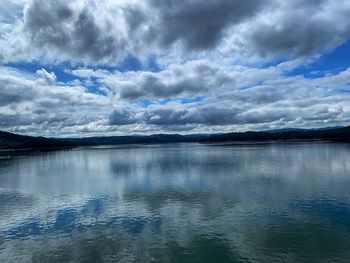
pixel 177 203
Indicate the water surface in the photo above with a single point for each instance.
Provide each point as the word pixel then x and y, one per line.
pixel 177 203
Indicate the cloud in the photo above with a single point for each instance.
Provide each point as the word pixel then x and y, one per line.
pixel 218 51
pixel 178 80
pixel 49 78
pixel 290 101
pixel 10 11
pixel 190 79
pixel 72 30
pixel 297 28
pixel 30 104
pixel 14 90
pixel 105 32
pixel 198 24
pixel 121 117
pixel 237 96
pixel 180 115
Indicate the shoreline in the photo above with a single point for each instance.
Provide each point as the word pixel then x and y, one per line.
pixel 219 143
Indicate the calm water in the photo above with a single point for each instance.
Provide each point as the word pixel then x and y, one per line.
pixel 177 203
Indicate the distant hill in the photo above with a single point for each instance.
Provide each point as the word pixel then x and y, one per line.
pixel 157 138
pixel 300 129
pixel 15 141
pixel 330 134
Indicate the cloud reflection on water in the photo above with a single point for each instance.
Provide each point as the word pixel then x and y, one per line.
pixel 177 202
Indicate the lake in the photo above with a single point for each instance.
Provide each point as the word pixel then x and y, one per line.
pixel 177 203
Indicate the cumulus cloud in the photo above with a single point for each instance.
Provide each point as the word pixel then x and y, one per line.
pixel 199 24
pixel 210 72
pixel 27 103
pixel 121 117
pixel 105 32
pixel 73 30
pixel 188 79
pixel 289 101
pixel 49 78
pixel 30 105
pixel 297 28
pixel 10 11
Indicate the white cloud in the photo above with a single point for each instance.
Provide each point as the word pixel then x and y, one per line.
pixel 213 50
pixel 49 78
pixel 105 32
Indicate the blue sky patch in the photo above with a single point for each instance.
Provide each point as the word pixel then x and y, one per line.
pixel 331 63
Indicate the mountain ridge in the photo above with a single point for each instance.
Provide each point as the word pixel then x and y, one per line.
pixel 11 141
pixel 14 141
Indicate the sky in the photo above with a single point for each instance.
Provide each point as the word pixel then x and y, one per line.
pixel 116 67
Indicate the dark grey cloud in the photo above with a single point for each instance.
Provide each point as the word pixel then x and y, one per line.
pixel 157 86
pixel 105 32
pixel 121 117
pixel 199 24
pixel 176 116
pixel 61 27
pixel 24 119
pixel 13 92
pixel 214 115
pixel 10 120
pixel 182 116
pixel 299 28
pixel 190 79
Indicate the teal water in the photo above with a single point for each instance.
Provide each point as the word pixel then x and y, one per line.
pixel 177 203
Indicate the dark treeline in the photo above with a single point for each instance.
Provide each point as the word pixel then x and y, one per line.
pixel 14 141
pixel 336 134
pixel 151 139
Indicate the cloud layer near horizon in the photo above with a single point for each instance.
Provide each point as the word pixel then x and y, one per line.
pixel 212 66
